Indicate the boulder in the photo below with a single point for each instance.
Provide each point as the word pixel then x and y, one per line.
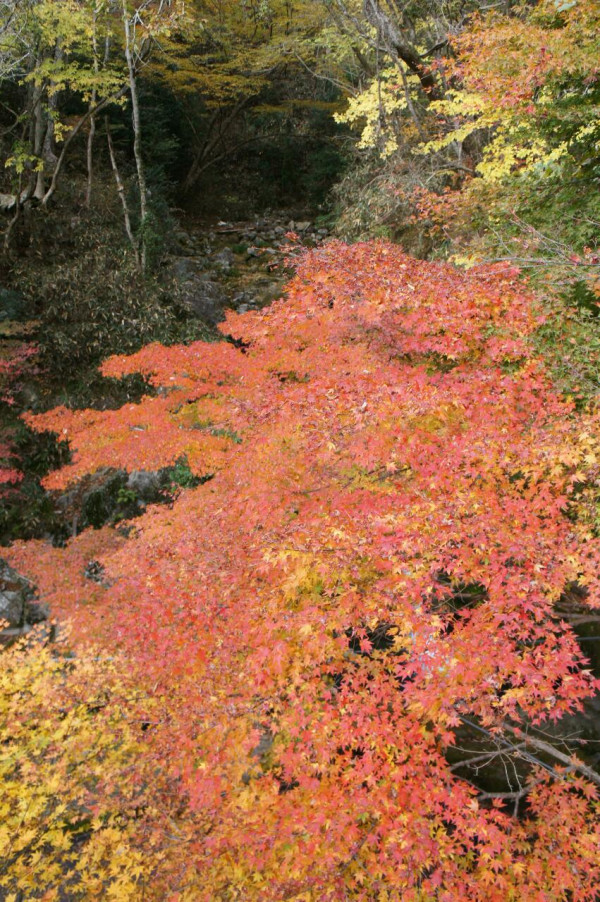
pixel 15 592
pixel 225 259
pixel 182 269
pixel 12 305
pixel 145 483
pixel 205 298
pixel 19 608
pixel 92 501
pixel 243 299
pixel 200 293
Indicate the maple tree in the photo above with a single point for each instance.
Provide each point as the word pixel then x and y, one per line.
pixel 393 503
pixel 531 77
pixel 525 87
pixel 495 155
pixel 397 49
pixel 62 738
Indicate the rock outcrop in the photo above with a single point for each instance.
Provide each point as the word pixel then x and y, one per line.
pixel 19 609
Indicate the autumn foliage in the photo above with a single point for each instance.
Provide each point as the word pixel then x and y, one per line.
pixel 393 502
pixel 68 800
pixel 522 115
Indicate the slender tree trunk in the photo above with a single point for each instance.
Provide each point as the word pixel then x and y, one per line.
pixel 137 131
pixel 122 194
pixel 90 156
pixel 73 134
pixel 39 132
pixel 43 132
pixel 49 147
pixel 92 131
pixel 17 215
pixel 398 46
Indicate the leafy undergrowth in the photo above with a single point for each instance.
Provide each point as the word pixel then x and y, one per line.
pixel 376 563
pixel 70 800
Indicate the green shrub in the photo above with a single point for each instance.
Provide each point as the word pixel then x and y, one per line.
pixel 97 304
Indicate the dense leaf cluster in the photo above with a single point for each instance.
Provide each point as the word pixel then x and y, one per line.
pixel 377 562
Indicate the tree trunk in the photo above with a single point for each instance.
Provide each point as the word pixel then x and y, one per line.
pixel 398 46
pixel 73 134
pixel 37 148
pixel 218 127
pixel 137 132
pixel 90 157
pixel 92 131
pixel 122 194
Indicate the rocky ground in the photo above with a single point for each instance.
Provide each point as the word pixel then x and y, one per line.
pixel 239 265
